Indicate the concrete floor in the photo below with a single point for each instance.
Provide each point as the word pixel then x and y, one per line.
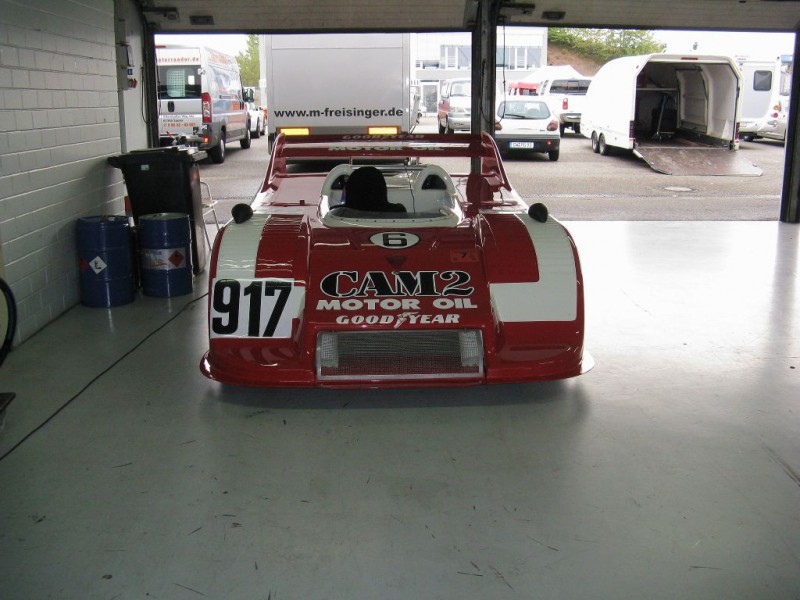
pixel 670 471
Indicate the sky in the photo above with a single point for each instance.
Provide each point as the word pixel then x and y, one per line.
pixel 753 45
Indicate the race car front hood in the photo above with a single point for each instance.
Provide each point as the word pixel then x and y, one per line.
pixel 390 279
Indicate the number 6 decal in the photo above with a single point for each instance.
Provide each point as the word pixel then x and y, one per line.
pixel 394 240
pixel 261 308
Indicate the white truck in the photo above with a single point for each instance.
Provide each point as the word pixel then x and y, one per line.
pixel 564 89
pixel 680 113
pixel 357 84
pixel 201 101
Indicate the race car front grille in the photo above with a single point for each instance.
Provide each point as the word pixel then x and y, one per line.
pixel 444 354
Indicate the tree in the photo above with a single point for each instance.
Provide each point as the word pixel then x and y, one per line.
pixel 605 44
pixel 249 63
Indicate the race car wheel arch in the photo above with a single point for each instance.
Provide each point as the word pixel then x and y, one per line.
pixel 545 304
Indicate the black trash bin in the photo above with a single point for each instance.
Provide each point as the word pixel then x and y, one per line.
pixel 166 180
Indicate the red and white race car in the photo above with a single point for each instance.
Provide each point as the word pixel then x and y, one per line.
pixel 413 277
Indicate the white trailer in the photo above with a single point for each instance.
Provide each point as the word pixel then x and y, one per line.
pixel 679 113
pixel 356 84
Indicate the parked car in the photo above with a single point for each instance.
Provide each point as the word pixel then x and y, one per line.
pixel 773 127
pixel 393 274
pixel 258 123
pixel 525 124
pixel 455 106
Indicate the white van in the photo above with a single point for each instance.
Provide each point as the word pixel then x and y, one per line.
pixel 680 113
pixel 455 106
pixel 201 101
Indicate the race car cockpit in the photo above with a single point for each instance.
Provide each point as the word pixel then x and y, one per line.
pixel 422 195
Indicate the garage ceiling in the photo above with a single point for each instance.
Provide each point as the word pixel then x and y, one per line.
pixel 266 16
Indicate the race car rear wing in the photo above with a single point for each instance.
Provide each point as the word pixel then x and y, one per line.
pixel 417 147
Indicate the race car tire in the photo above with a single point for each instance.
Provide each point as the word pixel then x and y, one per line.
pixel 553 155
pixel 602 147
pixel 595 144
pixel 217 153
pixel 245 141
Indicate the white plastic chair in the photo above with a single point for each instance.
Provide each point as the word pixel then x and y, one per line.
pixel 209 207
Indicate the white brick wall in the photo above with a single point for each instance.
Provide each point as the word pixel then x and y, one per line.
pixel 59 121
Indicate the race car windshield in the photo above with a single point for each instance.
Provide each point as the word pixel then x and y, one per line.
pixel 341 216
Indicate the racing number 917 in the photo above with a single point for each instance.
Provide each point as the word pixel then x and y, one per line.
pixel 253 308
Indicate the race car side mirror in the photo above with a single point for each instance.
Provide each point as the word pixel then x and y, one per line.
pixel 241 213
pixel 538 212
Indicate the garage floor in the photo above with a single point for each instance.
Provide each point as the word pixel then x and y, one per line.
pixel 670 471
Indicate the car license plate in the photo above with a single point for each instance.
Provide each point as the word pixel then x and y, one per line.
pixel 524 145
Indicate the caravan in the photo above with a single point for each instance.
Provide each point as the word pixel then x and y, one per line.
pixel 201 101
pixel 765 98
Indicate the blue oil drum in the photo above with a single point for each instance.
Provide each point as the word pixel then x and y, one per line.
pixel 105 260
pixel 165 249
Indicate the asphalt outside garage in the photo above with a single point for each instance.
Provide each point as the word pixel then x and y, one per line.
pixel 580 186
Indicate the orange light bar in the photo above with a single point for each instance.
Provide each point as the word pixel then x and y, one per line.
pixel 295 131
pixel 383 130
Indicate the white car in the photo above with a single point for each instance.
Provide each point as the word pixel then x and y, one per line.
pixel 774 126
pixel 525 124
pixel 258 125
